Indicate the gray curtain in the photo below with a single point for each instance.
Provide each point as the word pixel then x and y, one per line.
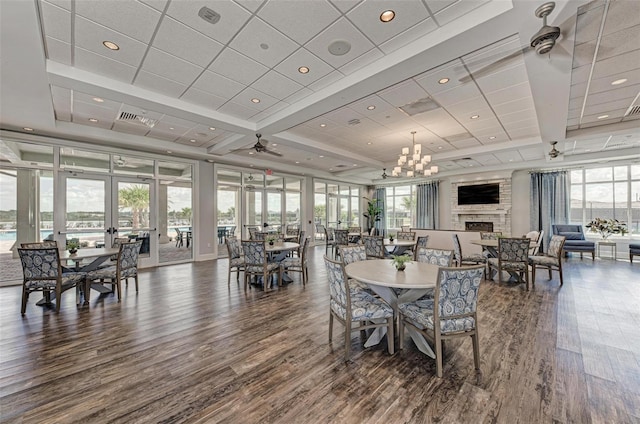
pixel 427 205
pixel 549 201
pixel 380 196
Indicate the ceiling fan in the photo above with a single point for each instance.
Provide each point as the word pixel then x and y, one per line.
pixel 259 147
pixel 542 42
pixel 554 153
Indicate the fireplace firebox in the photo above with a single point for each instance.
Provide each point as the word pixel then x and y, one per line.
pixel 478 226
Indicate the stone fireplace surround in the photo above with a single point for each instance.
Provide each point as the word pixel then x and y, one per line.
pixel 497 214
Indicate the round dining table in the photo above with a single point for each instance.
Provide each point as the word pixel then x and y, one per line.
pixel 398 247
pixel 396 287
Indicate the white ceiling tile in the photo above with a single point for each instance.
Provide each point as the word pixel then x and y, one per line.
pixel 159 84
pixel 469 106
pixel 614 115
pixel 218 85
pixel 203 98
pixel 326 80
pixel 156 4
pixel 237 67
pixel 276 85
pixel 588 25
pixel 583 54
pixel 458 94
pixel 340 30
pixel 480 125
pixel 298 95
pixel 453 70
pixel 83 119
pixel 263 43
pixel 508 94
pixel 232 17
pixel 173 36
pixel 269 111
pixel 486 160
pixel 245 96
pixel 131 18
pixel 126 127
pixel 604 108
pixel 524 133
pixel 511 118
pixel 239 111
pixel 621 14
pixel 177 123
pixel 455 10
pixel 619 42
pixel 508 156
pixel 345 5
pixel 417 31
pixel 519 104
pixel 613 95
pixel 171 67
pixel 465 144
pixel 603 84
pixel 90 36
pixel 56 22
pixel 581 74
pixel 101 65
pixel 65 4
pixel 58 51
pixel 302 57
pixel 403 93
pixel 361 61
pixel 532 153
pixel 301 30
pixel 504 78
pixel 342 116
pixel 437 5
pixel 379 106
pixel 366 16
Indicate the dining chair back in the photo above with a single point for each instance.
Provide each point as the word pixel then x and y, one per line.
pixel 341 239
pixel 126 267
pixel 490 235
pixel 236 258
pixel 461 259
pixel 256 263
pixel 551 261
pixel 298 264
pixel 350 307
pixel 513 257
pixel 40 244
pixel 422 241
pixel 179 237
pixel 406 235
pixel 42 271
pixel 536 237
pixel 434 256
pixel 351 254
pixel 374 247
pixel 452 313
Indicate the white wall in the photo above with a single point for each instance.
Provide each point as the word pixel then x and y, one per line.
pixel 204 203
pixel 520 203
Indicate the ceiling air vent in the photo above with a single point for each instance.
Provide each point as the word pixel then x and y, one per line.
pixel 634 109
pixel 419 106
pixel 354 122
pixel 209 15
pixel 136 119
pixel 457 137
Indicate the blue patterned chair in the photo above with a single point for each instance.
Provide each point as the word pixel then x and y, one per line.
pixel 456 297
pixel 236 258
pixel 513 257
pixel 374 247
pixel 126 267
pixel 256 263
pixel 351 307
pixel 349 254
pixel 406 235
pixel 42 271
pixel 299 263
pixel 461 259
pixel 340 240
pixel 434 256
pixel 551 261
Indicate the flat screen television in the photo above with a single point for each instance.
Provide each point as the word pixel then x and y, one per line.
pixel 479 194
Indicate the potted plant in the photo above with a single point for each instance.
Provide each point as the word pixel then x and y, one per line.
pixel 271 240
pixel 72 247
pixel 392 236
pixel 400 261
pixel 607 226
pixel 373 213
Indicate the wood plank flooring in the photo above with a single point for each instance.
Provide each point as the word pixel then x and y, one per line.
pixel 190 349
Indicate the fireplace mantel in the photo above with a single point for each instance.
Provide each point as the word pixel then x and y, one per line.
pixel 480 211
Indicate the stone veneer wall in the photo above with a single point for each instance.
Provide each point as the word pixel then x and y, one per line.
pixel 498 214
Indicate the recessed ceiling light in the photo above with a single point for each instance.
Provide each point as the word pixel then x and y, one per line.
pixel 510 160
pixel 443 80
pixel 169 151
pixel 254 100
pixel 587 150
pixel 330 169
pixel 274 144
pixel 98 99
pixel 355 164
pixel 212 128
pixel 27 129
pixel 369 143
pixel 371 107
pixel 93 120
pixel 303 70
pixel 475 116
pixel 387 15
pixel 192 140
pixel 250 166
pixel 493 137
pixel 619 81
pixel 111 45
pixel 210 160
pixel 603 116
pixel 250 153
pixel 321 156
pixel 264 46
pixel 439 147
pixel 171 128
pixel 297 162
pixel 323 125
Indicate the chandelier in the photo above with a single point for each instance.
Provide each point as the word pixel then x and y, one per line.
pixel 413 163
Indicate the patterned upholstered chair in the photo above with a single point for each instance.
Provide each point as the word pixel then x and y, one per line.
pixel 374 247
pixel 47 244
pixel 236 258
pixel 299 263
pixel 329 241
pixel 461 259
pixel 341 239
pixel 41 271
pixel 451 313
pixel 513 256
pixel 422 241
pixel 256 263
pixel 552 260
pixel 355 306
pixel 349 254
pixel 406 235
pixel 434 256
pixel 126 267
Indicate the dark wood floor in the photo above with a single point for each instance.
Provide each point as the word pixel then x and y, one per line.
pixel 189 349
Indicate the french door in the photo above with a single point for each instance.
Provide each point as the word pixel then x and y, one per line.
pixel 95 209
pixel 262 206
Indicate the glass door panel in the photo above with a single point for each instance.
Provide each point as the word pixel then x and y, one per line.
pixel 228 215
pixel 332 212
pixel 133 212
pixel 86 216
pixel 176 235
pixel 274 210
pixel 253 210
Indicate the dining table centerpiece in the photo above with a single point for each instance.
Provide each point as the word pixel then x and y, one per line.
pixel 400 261
pixel 72 247
pixel 271 240
pixel 606 226
pixel 391 237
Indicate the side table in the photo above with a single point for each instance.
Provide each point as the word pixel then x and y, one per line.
pixel 611 244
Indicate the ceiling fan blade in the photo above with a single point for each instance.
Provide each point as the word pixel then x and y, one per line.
pixel 271 152
pixel 246 149
pixel 494 66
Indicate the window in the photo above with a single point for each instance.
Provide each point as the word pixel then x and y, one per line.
pixel 336 205
pixel 400 206
pixel 606 192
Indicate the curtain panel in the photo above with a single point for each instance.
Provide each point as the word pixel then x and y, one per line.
pixel 549 201
pixel 427 205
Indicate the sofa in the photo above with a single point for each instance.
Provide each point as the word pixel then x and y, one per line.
pixel 575 239
pixel 634 250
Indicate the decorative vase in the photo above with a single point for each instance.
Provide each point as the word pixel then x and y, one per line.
pixel 271 243
pixel 401 267
pixel 73 251
pixel 390 239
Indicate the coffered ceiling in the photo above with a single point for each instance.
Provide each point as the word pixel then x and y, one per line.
pixel 461 74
